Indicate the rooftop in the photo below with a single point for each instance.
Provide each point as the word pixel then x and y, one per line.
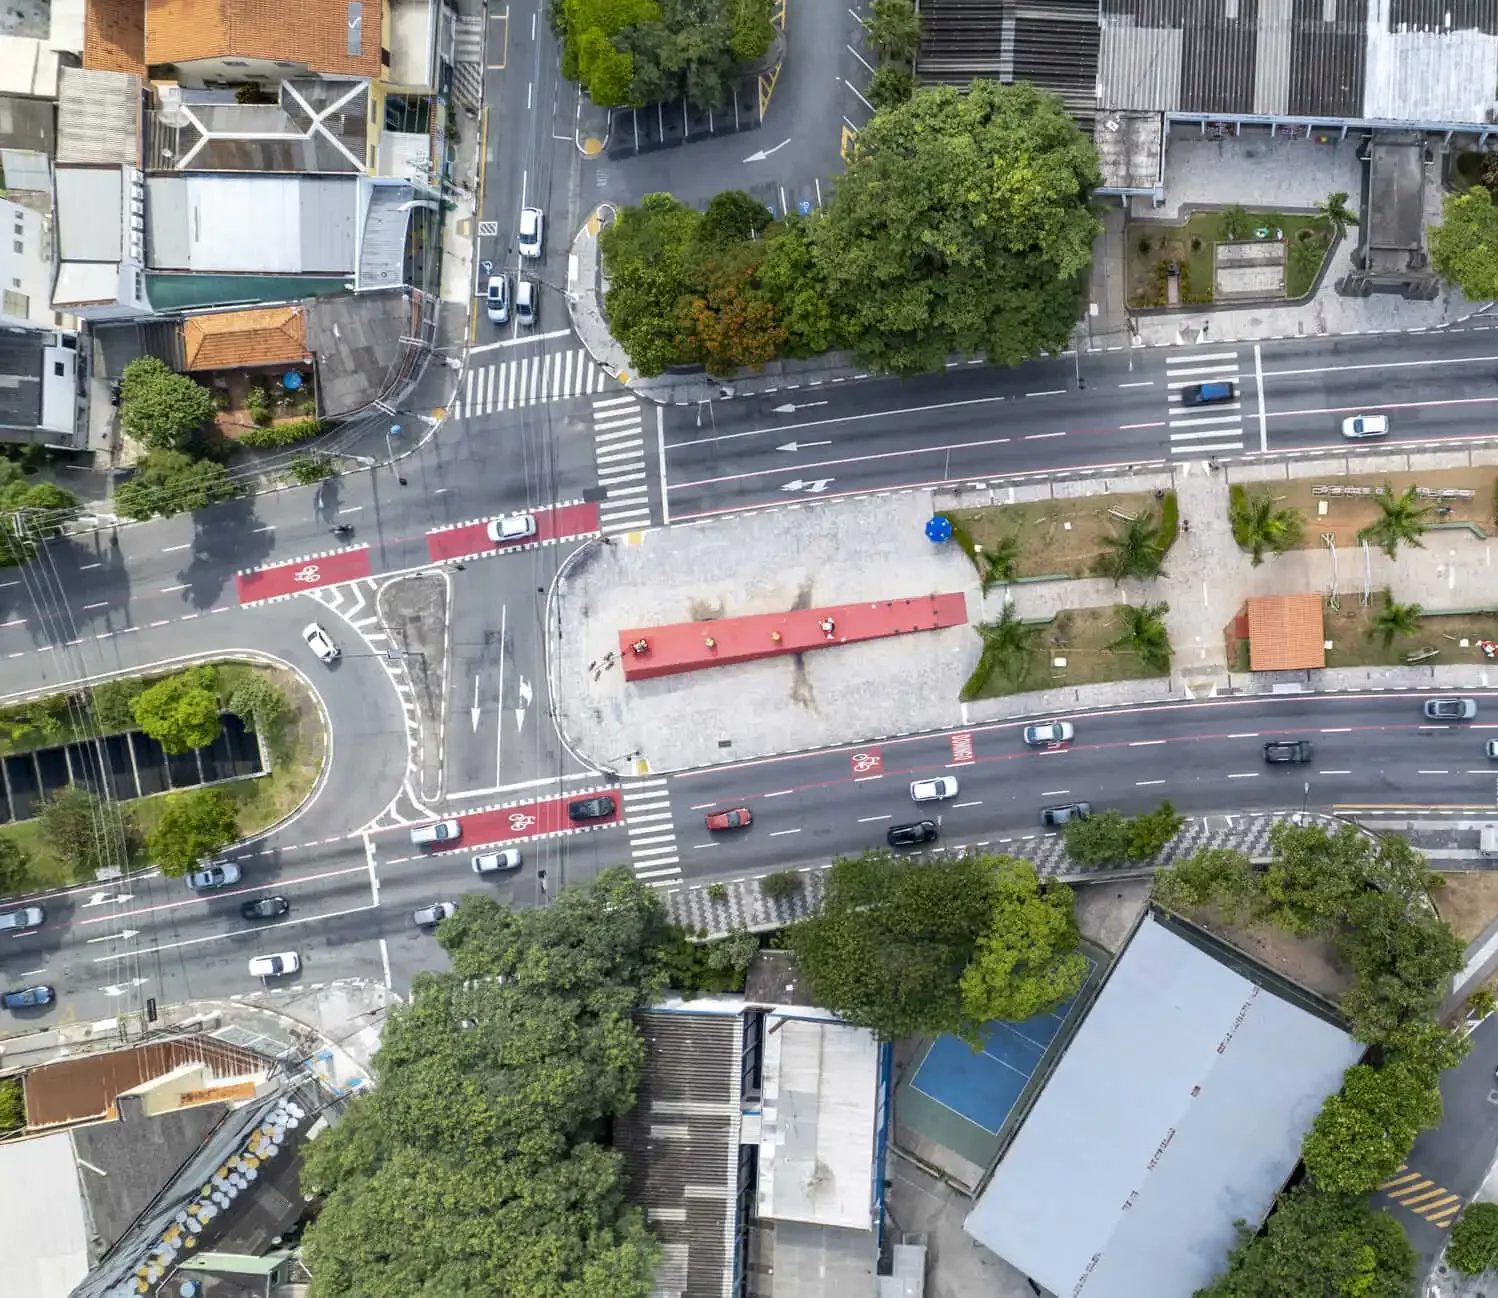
pixel 39 1184
pixel 98 118
pixel 26 124
pixel 225 340
pixel 1193 1131
pixel 1285 633
pixel 327 36
pixel 114 36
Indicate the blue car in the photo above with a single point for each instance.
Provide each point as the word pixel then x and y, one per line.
pixel 24 997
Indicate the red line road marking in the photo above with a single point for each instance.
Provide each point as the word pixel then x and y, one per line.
pixel 529 820
pixel 302 574
pixel 559 523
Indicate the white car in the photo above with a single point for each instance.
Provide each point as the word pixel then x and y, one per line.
pixel 937 790
pixel 320 642
pixel 1357 427
pixel 516 527
pixel 532 231
pixel 507 858
pixel 497 299
pixel 273 966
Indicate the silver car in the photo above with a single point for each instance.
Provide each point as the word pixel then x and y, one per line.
pixel 1049 732
pixel 937 790
pixel 1450 709
pixel 431 916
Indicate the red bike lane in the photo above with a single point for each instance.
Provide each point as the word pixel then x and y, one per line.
pixel 553 523
pixel 525 820
pixel 302 574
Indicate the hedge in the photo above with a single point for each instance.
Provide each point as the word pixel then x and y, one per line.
pixel 293 430
pixel 1170 521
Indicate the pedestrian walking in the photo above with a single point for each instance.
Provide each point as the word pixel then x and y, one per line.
pixel 1185 525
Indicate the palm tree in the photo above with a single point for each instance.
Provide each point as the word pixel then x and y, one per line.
pixel 1144 634
pixel 1335 212
pixel 1401 520
pixel 1133 550
pixel 1011 645
pixel 999 562
pixel 894 27
pixel 1258 526
pixel 1396 619
pixel 1235 222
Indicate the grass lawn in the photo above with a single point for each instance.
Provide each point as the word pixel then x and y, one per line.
pixel 296 759
pixel 1345 516
pixel 1080 636
pixel 1190 244
pixel 1468 902
pixel 1348 629
pixel 1056 537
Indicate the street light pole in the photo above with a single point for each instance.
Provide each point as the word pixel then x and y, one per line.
pixel 393 429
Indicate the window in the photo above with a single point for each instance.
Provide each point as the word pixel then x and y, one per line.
pixel 58 369
pixel 17 304
pixel 18 245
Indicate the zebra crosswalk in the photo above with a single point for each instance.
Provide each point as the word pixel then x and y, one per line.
pixel 468 60
pixel 652 835
pixel 527 380
pixel 619 441
pixel 1204 430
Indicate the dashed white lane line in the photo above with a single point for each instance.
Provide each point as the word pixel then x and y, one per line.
pixel 172 549
pixel 781 833
pixel 1140 784
pixel 1145 743
pixel 864 820
pixel 1244 775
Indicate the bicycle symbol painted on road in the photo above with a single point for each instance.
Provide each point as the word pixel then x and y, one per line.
pixel 520 820
pixel 310 573
pixel 867 763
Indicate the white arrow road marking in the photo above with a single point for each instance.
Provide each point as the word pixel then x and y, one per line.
pixel 525 701
pixel 815 485
pixel 800 446
pixel 762 154
pixel 473 712
pixel 105 899
pixel 120 989
pixel 124 935
pixel 790 408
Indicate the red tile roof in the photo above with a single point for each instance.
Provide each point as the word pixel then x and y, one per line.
pixel 1285 633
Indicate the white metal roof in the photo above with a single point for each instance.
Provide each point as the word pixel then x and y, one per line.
pixel 90 215
pixel 42 1234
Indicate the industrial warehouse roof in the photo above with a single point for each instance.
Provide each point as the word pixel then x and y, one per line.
pixel 1177 1110
pixel 1285 633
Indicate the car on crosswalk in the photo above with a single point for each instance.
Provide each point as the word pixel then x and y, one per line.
pixel 1207 394
pixel 512 527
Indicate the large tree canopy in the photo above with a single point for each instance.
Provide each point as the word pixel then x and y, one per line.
pixel 474 1166
pixel 1464 247
pixel 1362 1134
pixel 961 226
pixel 162 409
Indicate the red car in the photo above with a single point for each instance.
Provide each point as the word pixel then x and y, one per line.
pixel 738 818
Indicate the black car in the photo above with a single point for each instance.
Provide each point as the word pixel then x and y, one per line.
pixel 912 835
pixel 1287 750
pixel 265 908
pixel 591 808
pixel 1064 812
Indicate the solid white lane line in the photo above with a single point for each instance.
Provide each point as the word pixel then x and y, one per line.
pixel 1245 734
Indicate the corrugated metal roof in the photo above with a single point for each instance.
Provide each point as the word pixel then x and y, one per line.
pixel 98 117
pixel 1184 1095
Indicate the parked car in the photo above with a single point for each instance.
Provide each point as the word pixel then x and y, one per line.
pixel 18 921
pixel 507 858
pixel 431 916
pixel 913 834
pixel 527 303
pixel 439 831
pixel 738 818
pixel 532 231
pixel 273 966
pixel 512 527
pixel 26 997
pixel 218 875
pixel 595 808
pixel 1064 812
pixel 320 642
pixel 1206 394
pixel 1357 427
pixel 936 790
pixel 1049 732
pixel 265 908
pixel 1288 750
pixel 1451 709
pixel 497 299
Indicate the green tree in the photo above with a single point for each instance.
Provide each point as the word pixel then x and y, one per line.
pixel 1402 963
pixel 891 85
pixel 1426 1049
pixel 736 951
pixel 15 866
pixel 29 512
pixel 1474 1239
pixel 113 703
pixel 894 28
pixel 783 883
pixel 1211 876
pixel 1319 1246
pixel 1362 1134
pixel 997 563
pixel 1236 223
pixel 1400 521
pixel 1396 620
pixel 161 409
pixel 1481 1003
pixel 193 826
pixel 752 29
pixel 1464 247
pixel 731 216
pixel 12 1105
pixel 888 949
pixel 171 482
pixel 180 712
pixel 788 276
pixel 308 468
pixel 733 323
pixel 1313 877
pixel 1144 634
pixel 1260 527
pixel 1132 549
pixel 645 253
pixel 260 704
pixel 86 833
pixel 1027 961
pixel 961 225
pixel 1102 839
pixel 1150 831
pixel 1011 648
pixel 1336 214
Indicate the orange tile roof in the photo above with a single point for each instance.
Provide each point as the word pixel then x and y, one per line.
pixel 114 36
pixel 226 340
pixel 1285 633
pixel 314 32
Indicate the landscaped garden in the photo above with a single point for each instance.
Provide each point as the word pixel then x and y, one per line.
pixel 1050 538
pixel 1079 646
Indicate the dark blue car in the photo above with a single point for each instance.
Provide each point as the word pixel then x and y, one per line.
pixel 24 997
